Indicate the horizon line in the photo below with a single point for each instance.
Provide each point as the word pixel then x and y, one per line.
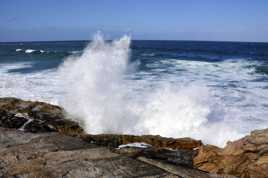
pixel 227 41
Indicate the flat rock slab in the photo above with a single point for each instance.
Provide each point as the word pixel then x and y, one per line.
pixel 54 155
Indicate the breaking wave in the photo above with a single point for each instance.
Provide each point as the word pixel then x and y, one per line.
pixel 159 93
pixel 100 95
pixel 35 51
pixel 29 51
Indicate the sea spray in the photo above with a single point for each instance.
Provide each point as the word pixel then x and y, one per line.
pixel 98 93
pixel 95 90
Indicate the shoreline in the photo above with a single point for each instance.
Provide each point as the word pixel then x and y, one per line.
pixel 246 157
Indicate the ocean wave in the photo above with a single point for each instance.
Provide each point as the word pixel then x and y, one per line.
pixel 213 101
pixel 42 86
pixel 29 50
pixel 108 104
pixel 75 52
pixel 262 69
pixel 148 54
pixel 37 51
pixel 17 50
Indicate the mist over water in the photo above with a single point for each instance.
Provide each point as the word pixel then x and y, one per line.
pixel 100 95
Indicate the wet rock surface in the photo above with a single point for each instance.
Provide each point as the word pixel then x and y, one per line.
pixel 245 158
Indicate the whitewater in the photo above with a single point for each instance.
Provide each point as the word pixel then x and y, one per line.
pixel 107 93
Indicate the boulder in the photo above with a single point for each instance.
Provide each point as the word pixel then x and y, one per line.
pixel 35 117
pixel 245 158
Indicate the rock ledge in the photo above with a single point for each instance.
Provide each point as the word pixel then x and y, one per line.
pixel 38 140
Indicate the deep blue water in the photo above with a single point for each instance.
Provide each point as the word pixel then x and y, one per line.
pixel 53 53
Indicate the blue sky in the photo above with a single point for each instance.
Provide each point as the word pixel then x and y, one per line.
pixel 226 20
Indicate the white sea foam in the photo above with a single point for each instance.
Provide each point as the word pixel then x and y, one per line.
pixel 106 103
pixel 18 50
pixel 75 52
pixel 94 84
pixel 41 86
pixel 212 101
pixel 135 145
pixel 29 50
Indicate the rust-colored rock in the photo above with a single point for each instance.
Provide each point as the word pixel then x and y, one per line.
pixel 245 158
pixel 113 140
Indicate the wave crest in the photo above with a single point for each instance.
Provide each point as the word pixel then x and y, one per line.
pixel 100 96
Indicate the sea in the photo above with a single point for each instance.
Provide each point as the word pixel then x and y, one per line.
pixel 213 91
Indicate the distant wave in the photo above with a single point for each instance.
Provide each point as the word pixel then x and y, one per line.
pixel 75 52
pixel 35 51
pixel 148 54
pixel 29 50
pixel 18 50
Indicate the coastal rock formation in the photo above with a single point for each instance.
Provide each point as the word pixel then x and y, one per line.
pixel 35 117
pixel 245 158
pixel 54 155
pixel 37 140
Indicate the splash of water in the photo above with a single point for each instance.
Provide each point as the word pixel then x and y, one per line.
pixel 97 93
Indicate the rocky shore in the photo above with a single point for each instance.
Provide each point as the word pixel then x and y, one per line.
pixel 38 140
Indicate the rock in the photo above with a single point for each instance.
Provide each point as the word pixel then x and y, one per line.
pixel 41 146
pixel 35 117
pixel 183 172
pixel 245 158
pixel 54 155
pixel 113 140
pixel 176 157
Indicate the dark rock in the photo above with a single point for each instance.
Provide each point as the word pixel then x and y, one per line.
pixel 113 140
pixel 11 120
pixel 176 157
pixel 35 117
pixel 183 172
